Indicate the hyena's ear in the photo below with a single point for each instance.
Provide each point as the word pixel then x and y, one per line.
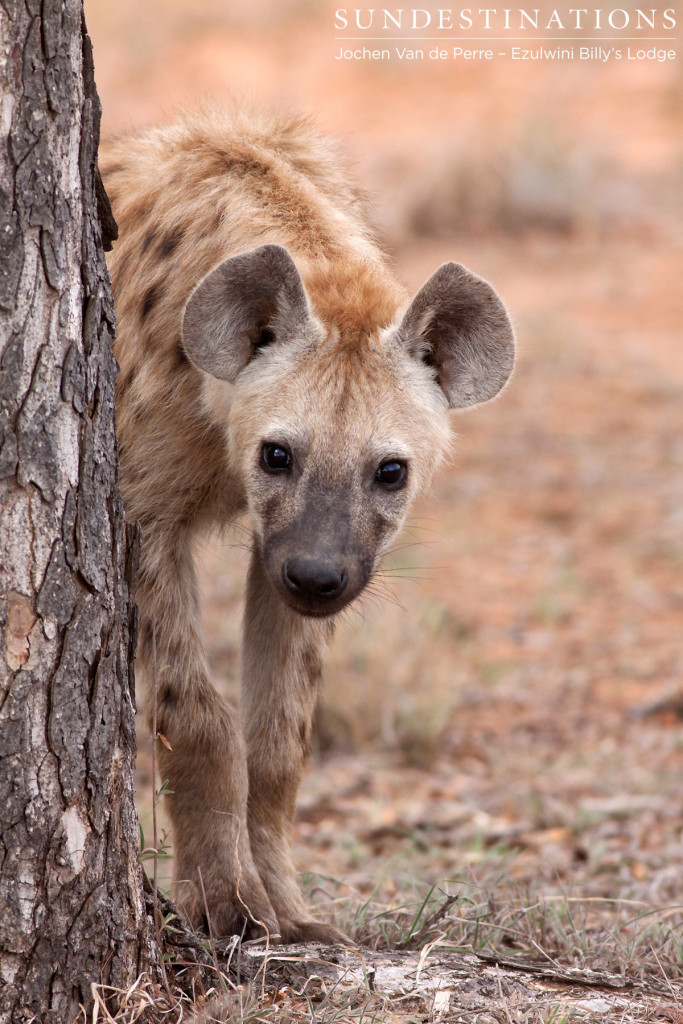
pixel 246 303
pixel 457 324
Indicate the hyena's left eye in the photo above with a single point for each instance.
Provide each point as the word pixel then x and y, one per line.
pixel 391 474
pixel 275 458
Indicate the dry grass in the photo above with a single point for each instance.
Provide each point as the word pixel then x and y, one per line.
pixel 593 947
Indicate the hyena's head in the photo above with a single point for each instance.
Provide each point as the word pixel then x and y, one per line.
pixel 334 431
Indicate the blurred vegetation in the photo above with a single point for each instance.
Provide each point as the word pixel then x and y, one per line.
pixel 540 185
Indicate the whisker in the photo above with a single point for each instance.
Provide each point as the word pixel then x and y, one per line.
pixel 378 588
pixel 240 545
pixel 410 544
pixel 393 569
pixel 415 524
pixel 411 578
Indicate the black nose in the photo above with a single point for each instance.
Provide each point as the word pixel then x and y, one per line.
pixel 308 577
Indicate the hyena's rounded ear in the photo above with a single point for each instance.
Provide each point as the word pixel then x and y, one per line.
pixel 247 302
pixel 457 324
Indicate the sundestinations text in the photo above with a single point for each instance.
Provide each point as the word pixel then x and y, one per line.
pixel 516 19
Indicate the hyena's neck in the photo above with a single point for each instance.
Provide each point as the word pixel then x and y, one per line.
pixel 357 297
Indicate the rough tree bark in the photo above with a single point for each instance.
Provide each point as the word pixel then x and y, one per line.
pixel 71 902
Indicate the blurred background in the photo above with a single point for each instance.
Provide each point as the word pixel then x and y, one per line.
pixel 507 719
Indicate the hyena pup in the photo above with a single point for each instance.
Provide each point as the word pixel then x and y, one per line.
pixel 269 364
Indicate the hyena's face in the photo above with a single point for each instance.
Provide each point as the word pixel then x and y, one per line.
pixel 333 439
pixel 333 449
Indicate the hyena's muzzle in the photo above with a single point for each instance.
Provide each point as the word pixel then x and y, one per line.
pixel 318 564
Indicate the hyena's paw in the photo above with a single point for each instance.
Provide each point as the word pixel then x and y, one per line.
pixel 219 909
pixel 311 931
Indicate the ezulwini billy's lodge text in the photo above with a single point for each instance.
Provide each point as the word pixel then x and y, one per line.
pixel 600 54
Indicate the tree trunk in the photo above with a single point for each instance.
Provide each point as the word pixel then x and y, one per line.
pixel 71 903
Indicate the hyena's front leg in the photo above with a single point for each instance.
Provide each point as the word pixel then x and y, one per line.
pixel 206 766
pixel 282 664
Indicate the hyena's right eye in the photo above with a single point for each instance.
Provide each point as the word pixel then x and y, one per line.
pixel 275 458
pixel 391 474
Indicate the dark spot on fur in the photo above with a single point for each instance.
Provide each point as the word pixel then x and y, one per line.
pixel 170 242
pixel 137 212
pixel 126 378
pixel 313 666
pixel 146 635
pixel 149 301
pixel 167 696
pixel 244 164
pixel 305 737
pixel 138 412
pixel 121 268
pixel 270 509
pixel 378 527
pixel 147 242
